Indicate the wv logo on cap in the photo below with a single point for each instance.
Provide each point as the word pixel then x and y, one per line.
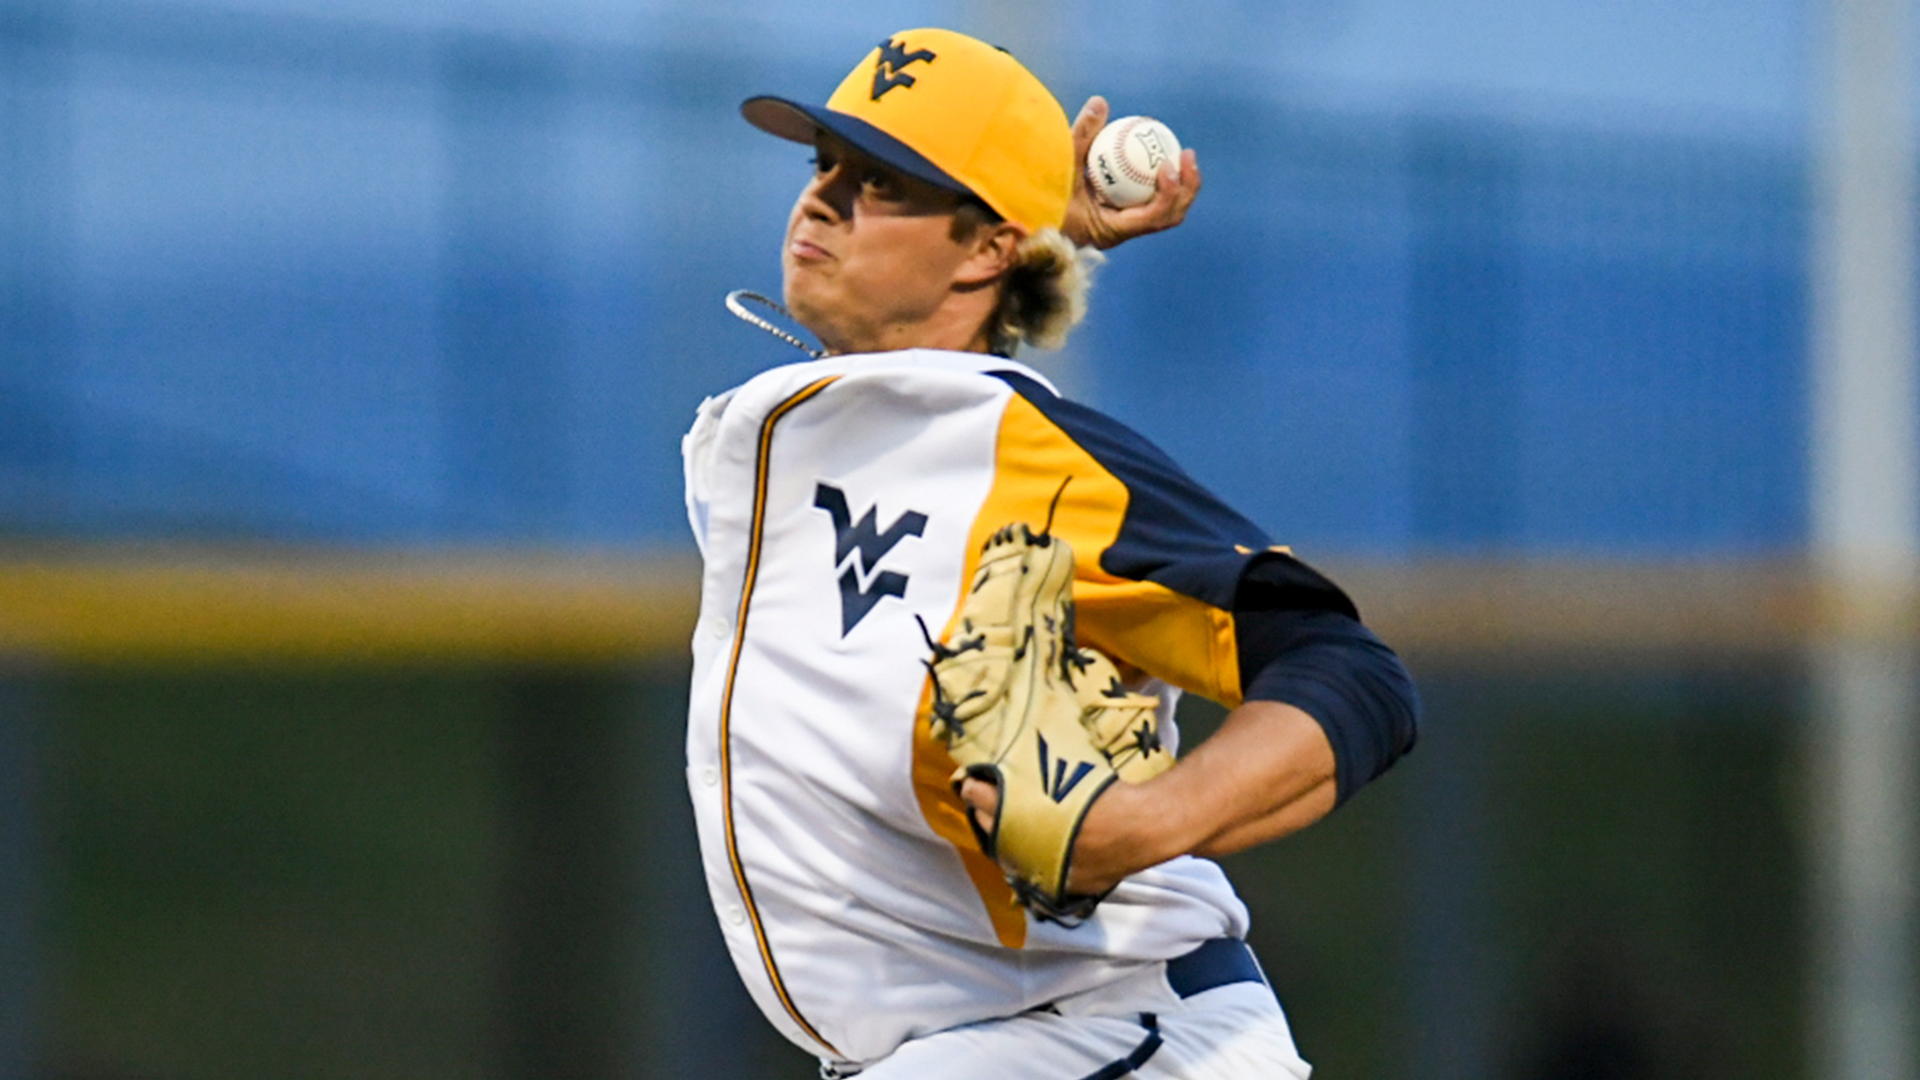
pixel 887 70
pixel 858 546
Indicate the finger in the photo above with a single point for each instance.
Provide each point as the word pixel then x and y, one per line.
pixel 1167 180
pixel 1189 174
pixel 1165 208
pixel 980 795
pixel 1093 117
pixel 1187 188
pixel 983 799
pixel 1174 190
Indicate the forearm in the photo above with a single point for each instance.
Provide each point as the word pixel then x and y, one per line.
pixel 1268 771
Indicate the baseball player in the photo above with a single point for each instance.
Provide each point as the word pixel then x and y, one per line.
pixel 945 617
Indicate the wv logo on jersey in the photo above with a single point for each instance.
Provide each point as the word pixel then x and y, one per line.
pixel 888 69
pixel 1054 778
pixel 857 547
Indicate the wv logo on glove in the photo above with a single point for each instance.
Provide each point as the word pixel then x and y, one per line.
pixel 1063 784
pixel 1020 705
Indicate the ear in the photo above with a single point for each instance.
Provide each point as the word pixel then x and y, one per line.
pixel 992 251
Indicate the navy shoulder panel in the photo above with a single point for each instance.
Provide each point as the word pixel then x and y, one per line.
pixel 1175 532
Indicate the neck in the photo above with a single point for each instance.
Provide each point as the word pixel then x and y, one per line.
pixel 954 327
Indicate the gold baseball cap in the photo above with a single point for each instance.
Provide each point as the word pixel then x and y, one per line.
pixel 953 111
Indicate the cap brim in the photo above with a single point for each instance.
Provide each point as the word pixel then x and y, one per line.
pixel 799 123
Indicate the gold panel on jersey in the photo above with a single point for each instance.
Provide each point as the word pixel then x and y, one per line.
pixel 1141 625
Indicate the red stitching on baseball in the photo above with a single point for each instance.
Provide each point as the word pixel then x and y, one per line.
pixel 1126 163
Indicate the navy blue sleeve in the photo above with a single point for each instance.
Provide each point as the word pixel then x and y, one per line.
pixel 1301 647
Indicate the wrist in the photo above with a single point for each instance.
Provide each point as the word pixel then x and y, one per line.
pixel 1128 829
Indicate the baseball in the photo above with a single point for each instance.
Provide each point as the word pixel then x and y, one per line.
pixel 1125 158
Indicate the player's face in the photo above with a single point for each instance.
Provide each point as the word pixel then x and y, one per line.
pixel 870 258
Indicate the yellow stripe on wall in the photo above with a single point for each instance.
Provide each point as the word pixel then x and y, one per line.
pixel 173 605
pixel 106 604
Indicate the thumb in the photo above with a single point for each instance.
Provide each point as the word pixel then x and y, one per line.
pixel 1093 117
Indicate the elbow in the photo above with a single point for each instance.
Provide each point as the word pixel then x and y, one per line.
pixel 1354 687
pixel 1385 728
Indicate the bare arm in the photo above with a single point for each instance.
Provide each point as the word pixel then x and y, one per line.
pixel 1268 771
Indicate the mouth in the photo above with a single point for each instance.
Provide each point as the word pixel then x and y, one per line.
pixel 803 250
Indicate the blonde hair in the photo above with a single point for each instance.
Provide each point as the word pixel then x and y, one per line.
pixel 1044 296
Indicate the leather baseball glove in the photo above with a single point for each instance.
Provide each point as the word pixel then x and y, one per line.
pixel 1021 706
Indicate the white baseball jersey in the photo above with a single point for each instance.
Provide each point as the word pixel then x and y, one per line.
pixel 835 502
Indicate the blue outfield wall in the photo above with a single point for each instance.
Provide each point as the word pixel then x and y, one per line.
pixel 318 282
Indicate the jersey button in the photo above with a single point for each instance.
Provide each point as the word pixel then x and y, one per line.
pixel 709 776
pixel 719 626
pixel 736 914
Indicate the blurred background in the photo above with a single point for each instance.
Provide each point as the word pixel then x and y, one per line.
pixel 345 347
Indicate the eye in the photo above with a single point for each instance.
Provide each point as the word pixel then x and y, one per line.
pixel 880 183
pixel 822 161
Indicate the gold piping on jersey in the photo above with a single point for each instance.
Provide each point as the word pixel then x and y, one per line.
pixel 726 703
